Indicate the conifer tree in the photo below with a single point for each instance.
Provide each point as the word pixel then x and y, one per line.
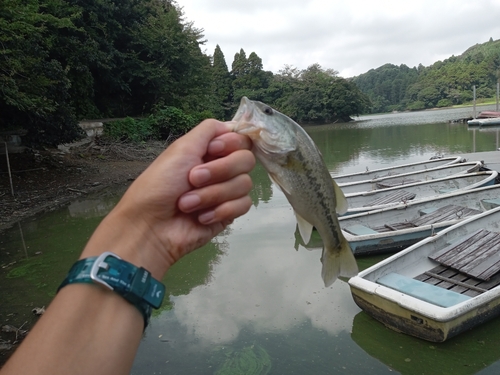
pixel 223 90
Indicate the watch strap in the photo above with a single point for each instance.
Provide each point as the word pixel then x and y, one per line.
pixel 135 284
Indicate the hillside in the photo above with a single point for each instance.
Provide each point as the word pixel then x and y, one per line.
pixel 442 84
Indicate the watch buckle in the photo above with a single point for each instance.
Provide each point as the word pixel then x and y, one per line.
pixel 99 263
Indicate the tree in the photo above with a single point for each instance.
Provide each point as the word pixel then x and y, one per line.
pixel 65 61
pixel 249 78
pixel 320 96
pixel 222 89
pixel 35 91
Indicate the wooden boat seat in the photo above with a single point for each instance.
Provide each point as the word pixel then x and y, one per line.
pixel 428 216
pixel 395 182
pixel 393 227
pixel 398 196
pixel 476 255
pixel 446 213
pixel 423 291
pixel 450 279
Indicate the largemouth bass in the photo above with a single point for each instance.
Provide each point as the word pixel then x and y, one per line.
pixel 295 164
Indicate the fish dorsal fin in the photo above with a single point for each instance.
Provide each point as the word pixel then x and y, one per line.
pixel 276 181
pixel 342 206
pixel 305 228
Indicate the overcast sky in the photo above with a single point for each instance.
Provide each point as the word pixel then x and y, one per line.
pixel 350 36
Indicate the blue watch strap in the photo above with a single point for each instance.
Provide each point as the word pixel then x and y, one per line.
pixel 135 284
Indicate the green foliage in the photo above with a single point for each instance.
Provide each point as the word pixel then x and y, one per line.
pixel 416 106
pixel 318 96
pixel 222 85
pixel 129 129
pixel 249 78
pixel 444 83
pixel 164 123
pixel 386 86
pixel 35 85
pixel 172 122
pixel 62 61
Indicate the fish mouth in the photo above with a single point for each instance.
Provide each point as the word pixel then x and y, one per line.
pixel 244 118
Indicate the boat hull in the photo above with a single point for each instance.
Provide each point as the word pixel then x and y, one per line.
pixel 413 316
pixel 383 198
pixel 368 234
pixel 402 320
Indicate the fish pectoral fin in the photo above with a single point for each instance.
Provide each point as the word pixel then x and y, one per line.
pixel 342 205
pixel 338 262
pixel 305 228
pixel 276 181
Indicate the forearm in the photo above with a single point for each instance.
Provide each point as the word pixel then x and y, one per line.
pixel 189 194
pixel 87 328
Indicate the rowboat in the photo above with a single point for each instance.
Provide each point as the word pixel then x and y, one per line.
pixel 439 287
pixel 491 121
pixel 486 118
pixel 368 175
pixel 382 198
pixel 396 227
pixel 411 177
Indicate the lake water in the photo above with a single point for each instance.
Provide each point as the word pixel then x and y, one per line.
pixel 254 297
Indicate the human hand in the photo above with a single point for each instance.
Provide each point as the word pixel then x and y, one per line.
pixel 189 194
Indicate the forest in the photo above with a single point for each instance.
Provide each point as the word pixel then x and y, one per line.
pixel 142 61
pixel 443 84
pixel 139 60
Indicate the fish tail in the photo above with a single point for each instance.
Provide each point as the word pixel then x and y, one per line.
pixel 338 262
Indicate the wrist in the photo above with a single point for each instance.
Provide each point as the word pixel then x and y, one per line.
pixel 134 284
pixel 131 240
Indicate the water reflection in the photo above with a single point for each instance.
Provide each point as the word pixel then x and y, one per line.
pixel 257 285
pixel 87 208
pixel 462 355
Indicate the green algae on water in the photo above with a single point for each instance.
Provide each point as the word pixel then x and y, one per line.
pixel 251 360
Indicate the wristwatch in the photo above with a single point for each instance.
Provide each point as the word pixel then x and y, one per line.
pixel 135 284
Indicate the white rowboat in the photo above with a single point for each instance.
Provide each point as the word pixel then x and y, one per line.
pixel 394 228
pixel 382 198
pixel 368 175
pixel 440 286
pixel 411 177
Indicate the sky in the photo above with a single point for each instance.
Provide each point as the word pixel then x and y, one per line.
pixel 349 36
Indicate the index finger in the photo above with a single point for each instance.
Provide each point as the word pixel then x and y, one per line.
pixel 196 141
pixel 227 143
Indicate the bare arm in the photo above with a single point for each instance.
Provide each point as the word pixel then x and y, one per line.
pixel 187 196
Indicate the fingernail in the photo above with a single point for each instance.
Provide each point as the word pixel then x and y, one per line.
pixel 189 202
pixel 200 176
pixel 216 146
pixel 207 217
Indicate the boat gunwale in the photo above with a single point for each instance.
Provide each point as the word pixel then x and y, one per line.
pixel 475 165
pixel 412 304
pixel 453 160
pixel 487 181
pixel 406 205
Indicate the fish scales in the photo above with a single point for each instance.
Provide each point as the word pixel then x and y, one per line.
pixel 295 164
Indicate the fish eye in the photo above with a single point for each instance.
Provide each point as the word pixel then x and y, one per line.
pixel 268 111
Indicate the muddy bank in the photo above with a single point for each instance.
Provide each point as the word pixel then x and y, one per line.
pixel 45 180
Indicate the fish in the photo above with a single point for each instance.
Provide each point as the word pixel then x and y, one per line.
pixel 295 164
